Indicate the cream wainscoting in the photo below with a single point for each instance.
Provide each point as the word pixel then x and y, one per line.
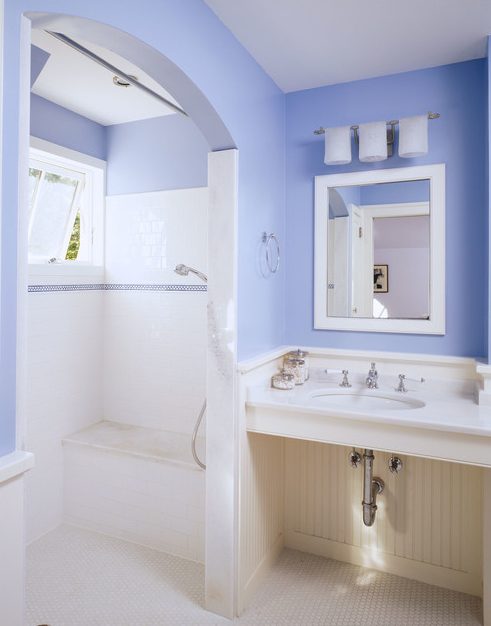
pixel 261 490
pixel 428 524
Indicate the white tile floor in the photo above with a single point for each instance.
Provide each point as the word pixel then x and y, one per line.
pixel 81 578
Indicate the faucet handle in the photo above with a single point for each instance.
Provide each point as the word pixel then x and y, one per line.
pixel 402 383
pixel 403 379
pixel 345 382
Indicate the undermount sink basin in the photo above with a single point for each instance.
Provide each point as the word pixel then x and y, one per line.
pixel 364 401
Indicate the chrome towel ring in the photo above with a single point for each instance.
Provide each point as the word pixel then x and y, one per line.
pixel 271 253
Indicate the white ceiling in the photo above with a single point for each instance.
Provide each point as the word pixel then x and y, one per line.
pixel 309 43
pixel 75 82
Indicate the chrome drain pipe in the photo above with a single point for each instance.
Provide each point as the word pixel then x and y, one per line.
pixel 372 487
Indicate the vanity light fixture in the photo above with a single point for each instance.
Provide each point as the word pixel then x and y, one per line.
pixel 376 139
pixel 338 146
pixel 413 136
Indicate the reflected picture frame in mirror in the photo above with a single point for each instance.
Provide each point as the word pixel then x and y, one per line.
pixel 328 317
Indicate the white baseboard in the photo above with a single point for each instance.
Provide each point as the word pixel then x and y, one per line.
pixel 416 570
pixel 259 574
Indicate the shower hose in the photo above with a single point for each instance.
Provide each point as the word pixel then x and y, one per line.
pixel 195 434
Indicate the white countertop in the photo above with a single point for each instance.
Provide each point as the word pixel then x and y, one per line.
pixel 443 410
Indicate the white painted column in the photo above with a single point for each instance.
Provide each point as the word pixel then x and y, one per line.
pixel 486 548
pixel 221 418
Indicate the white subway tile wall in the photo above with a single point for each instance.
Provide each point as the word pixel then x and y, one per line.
pixel 155 343
pixel 148 234
pixel 157 504
pixel 127 355
pixel 64 392
pixel 155 358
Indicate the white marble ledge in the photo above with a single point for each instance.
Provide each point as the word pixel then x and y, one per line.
pixel 14 464
pixel 147 443
pixel 456 413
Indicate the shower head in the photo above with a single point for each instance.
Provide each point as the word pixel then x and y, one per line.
pixel 183 270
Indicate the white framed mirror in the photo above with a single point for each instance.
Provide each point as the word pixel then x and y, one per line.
pixel 379 258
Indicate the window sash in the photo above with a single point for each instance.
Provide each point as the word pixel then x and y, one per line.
pixel 76 204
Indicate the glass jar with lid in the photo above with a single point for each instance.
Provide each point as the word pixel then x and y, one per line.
pixel 283 380
pixel 297 368
pixel 300 354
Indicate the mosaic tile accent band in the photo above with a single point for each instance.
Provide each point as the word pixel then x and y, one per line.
pixel 114 287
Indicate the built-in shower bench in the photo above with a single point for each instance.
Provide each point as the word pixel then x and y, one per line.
pixel 139 484
pixel 148 443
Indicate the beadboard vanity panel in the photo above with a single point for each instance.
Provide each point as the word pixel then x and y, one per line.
pixel 428 524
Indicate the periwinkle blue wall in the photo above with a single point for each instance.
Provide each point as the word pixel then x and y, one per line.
pixel 389 193
pixel 166 152
pixel 459 93
pixel 351 195
pixel 488 179
pixel 247 101
pixel 66 128
pixel 39 58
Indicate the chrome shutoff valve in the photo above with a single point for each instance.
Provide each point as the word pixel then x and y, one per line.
pixel 354 458
pixel 395 465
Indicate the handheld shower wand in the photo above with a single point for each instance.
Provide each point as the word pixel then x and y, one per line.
pixel 183 270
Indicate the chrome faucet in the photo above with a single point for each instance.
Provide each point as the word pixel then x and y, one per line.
pixel 372 378
pixel 402 384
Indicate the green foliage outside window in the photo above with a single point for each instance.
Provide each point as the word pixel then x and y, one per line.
pixel 74 245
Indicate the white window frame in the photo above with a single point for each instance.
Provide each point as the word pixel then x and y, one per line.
pixel 93 176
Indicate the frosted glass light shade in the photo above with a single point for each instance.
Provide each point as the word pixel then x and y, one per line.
pixel 373 142
pixel 413 136
pixel 338 145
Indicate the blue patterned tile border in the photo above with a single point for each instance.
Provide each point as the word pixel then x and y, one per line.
pixel 151 287
pixel 49 288
pixel 114 287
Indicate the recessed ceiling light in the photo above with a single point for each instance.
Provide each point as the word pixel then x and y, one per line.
pixel 119 82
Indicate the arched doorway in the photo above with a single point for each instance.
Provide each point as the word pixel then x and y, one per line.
pixel 222 184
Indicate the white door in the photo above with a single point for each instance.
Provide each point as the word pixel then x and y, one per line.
pixel 361 264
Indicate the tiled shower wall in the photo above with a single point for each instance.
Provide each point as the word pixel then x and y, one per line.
pixel 64 387
pixel 130 349
pixel 155 341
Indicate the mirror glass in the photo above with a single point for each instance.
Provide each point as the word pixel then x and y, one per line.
pixel 378 250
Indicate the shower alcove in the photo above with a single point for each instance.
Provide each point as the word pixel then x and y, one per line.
pixel 117 359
